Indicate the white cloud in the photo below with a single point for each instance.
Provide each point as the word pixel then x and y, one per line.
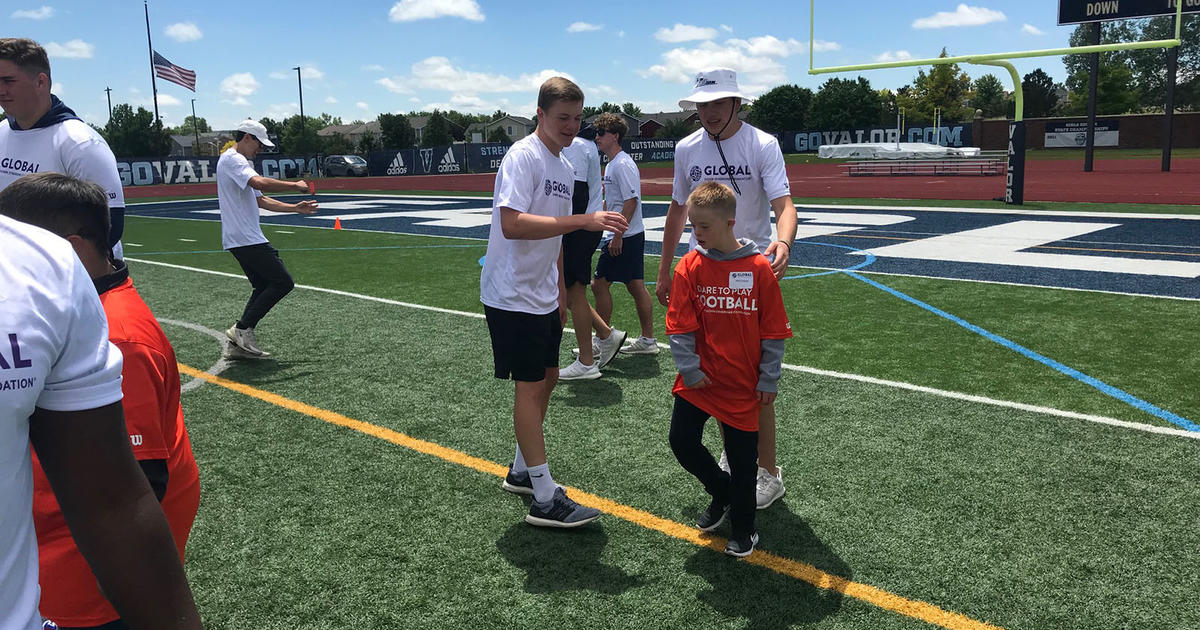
pixel 57 89
pixel 412 10
pixel 306 72
pixel 684 33
pixel 583 27
pixel 964 15
pixel 727 28
pixel 374 67
pixel 437 73
pixel 1031 29
pixel 74 49
pixel 279 111
pixel 42 13
pixel 362 105
pixel 331 100
pixel 889 55
pixel 620 33
pixel 165 99
pixel 184 32
pixel 236 87
pixel 756 73
pixel 771 46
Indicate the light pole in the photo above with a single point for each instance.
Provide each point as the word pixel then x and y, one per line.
pixel 108 93
pixel 195 130
pixel 300 86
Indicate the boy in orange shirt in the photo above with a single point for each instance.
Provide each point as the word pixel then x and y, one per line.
pixel 727 327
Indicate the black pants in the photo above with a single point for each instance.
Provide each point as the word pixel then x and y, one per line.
pixel 736 487
pixel 270 279
pixel 112 625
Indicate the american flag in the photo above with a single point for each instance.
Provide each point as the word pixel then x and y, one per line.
pixel 164 69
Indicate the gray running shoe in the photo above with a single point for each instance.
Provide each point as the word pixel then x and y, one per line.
pixel 741 547
pixel 560 511
pixel 518 483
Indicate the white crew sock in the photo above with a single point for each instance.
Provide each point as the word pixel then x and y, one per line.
pixel 518 465
pixel 543 483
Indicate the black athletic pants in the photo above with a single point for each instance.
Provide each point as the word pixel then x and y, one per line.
pixel 270 279
pixel 736 487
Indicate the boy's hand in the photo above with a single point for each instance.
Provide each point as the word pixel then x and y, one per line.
pixel 766 398
pixel 604 220
pixel 705 382
pixel 614 246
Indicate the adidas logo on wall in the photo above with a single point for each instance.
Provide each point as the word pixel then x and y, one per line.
pixel 448 163
pixel 397 167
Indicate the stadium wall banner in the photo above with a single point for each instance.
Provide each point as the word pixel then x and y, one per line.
pixel 950 135
pixel 650 149
pixel 485 157
pixel 443 160
pixel 1073 133
pixel 150 171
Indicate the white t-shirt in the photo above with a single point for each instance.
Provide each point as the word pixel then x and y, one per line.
pixel 522 274
pixel 622 182
pixel 585 164
pixel 54 354
pixel 70 147
pixel 757 165
pixel 238 201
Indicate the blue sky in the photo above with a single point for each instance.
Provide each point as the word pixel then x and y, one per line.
pixel 361 58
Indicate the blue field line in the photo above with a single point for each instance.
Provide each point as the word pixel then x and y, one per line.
pixel 311 249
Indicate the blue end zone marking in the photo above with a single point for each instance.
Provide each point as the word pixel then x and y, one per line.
pixel 1103 387
pixel 870 259
pixel 310 249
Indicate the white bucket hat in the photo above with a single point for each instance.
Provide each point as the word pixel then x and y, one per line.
pixel 256 129
pixel 712 85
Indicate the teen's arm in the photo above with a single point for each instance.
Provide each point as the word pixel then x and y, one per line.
pixel 519 225
pixel 266 184
pixel 113 515
pixel 672 231
pixel 785 226
pixel 308 206
pixel 627 210
pixel 770 367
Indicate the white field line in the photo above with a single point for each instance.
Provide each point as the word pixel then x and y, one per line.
pixel 1050 411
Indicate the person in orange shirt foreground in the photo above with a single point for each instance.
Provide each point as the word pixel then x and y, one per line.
pixel 78 211
pixel 727 327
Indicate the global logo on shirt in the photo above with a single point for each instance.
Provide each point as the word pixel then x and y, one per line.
pixel 547 188
pixel 695 173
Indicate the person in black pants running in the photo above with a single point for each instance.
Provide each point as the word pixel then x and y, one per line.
pixel 240 195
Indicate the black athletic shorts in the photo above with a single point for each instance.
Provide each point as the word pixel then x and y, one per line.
pixel 629 266
pixel 578 248
pixel 524 345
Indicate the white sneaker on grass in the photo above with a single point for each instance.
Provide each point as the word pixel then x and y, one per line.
pixel 244 339
pixel 769 488
pixel 231 350
pixel 595 348
pixel 609 347
pixel 579 372
pixel 641 345
pixel 723 463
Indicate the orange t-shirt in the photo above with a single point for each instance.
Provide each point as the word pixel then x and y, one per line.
pixel 731 306
pixel 154 419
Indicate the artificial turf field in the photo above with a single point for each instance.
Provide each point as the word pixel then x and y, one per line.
pixel 947 505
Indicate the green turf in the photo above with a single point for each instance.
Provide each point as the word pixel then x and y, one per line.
pixel 1021 519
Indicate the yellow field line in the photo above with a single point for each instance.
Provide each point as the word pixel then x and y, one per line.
pixel 784 566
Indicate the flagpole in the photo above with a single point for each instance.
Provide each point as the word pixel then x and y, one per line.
pixel 150 45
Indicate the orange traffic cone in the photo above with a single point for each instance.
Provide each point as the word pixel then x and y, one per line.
pixel 337 223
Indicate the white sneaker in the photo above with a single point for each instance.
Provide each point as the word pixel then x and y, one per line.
pixel 723 463
pixel 244 339
pixel 595 348
pixel 609 347
pixel 641 345
pixel 233 351
pixel 769 488
pixel 579 372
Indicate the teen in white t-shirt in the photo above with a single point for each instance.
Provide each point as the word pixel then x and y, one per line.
pixel 240 224
pixel 731 152
pixel 522 290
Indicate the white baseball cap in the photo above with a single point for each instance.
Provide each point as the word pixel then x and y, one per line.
pixel 256 129
pixel 713 85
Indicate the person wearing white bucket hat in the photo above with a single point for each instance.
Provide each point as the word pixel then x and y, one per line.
pixel 749 161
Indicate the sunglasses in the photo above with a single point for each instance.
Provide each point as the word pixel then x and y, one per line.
pixel 600 132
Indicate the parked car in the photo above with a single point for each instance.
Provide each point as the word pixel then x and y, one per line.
pixel 345 166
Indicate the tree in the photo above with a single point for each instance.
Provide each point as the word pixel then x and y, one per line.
pixel 989 96
pixel 1115 93
pixel 675 128
pixel 461 122
pixel 783 108
pixel 631 110
pixel 274 127
pixel 135 133
pixel 298 136
pixel 436 132
pixel 589 111
pixel 336 144
pixel 845 104
pixel 498 135
pixel 1041 96
pixel 946 86
pixel 397 132
pixel 499 113
pixel 185 128
pixel 1148 67
pixel 367 143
